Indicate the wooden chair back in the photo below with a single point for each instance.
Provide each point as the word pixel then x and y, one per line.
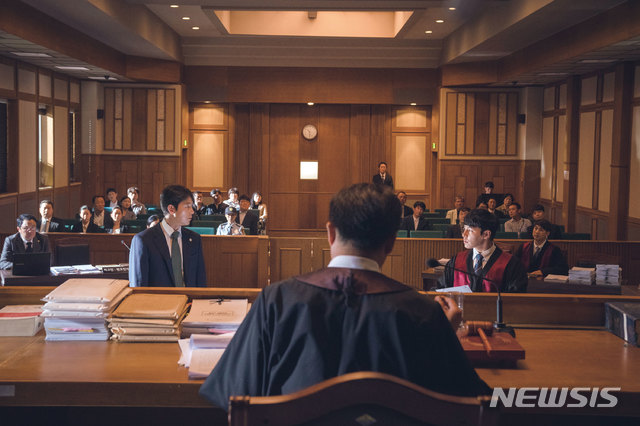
pixel 362 398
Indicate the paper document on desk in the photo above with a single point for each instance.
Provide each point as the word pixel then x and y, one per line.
pixel 457 289
pixel 203 361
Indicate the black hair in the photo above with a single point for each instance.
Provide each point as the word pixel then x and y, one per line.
pixel 110 190
pixel 401 192
pixel 544 224
pixel 421 204
pixel 173 195
pixel 381 163
pixel 465 209
pixel 538 208
pixel 488 184
pixel 483 219
pixel 93 199
pixel 152 219
pixel 253 197
pixel 25 216
pixel 45 202
pixel 365 214
pixel 508 194
pixel 244 197
pixel 518 206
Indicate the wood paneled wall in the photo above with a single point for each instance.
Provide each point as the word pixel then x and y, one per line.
pixel 149 173
pixel 268 146
pixel 481 123
pixel 139 119
pixel 463 177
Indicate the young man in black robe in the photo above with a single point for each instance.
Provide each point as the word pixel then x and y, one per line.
pixel 487 266
pixel 345 318
pixel 540 257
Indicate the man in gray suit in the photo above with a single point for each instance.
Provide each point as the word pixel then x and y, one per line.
pixel 26 240
pixel 169 255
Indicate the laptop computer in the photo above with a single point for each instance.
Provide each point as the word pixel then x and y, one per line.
pixel 31 263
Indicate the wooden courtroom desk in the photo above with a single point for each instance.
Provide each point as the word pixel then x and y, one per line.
pixel 8 279
pixel 136 376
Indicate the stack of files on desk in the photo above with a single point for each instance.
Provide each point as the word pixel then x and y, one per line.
pixel 608 274
pixel 578 275
pixel 216 316
pixel 75 270
pixel 77 309
pixel 201 352
pixel 148 318
pixel 560 279
pixel 20 320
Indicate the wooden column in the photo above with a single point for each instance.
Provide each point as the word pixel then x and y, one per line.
pixel 570 175
pixel 621 151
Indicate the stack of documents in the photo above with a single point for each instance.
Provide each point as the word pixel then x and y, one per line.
pixel 201 352
pixel 77 309
pixel 20 320
pixel 578 275
pixel 560 279
pixel 148 318
pixel 215 316
pixel 75 270
pixel 608 274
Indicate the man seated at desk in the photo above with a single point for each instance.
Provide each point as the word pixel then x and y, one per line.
pixel 416 222
pixel 455 231
pixel 345 318
pixel 26 240
pixel 485 263
pixel 540 257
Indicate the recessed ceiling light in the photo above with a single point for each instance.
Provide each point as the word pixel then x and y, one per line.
pixel 439 21
pixel 195 28
pixel 101 77
pixel 31 54
pixel 72 68
pixel 452 8
pixel 207 102
pixel 310 103
pixel 175 6
pixel 597 61
pixel 428 32
pixel 413 104
pixel 185 18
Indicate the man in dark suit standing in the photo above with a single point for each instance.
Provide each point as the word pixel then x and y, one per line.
pixel 416 222
pixel 49 223
pixel 247 219
pixel 169 255
pixel 26 240
pixel 382 177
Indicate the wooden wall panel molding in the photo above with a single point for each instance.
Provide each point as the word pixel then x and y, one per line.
pixel 480 123
pixel 149 173
pixel 466 177
pixel 140 119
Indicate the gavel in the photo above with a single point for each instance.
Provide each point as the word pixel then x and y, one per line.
pixel 478 328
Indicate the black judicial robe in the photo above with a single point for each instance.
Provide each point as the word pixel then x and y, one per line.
pixel 550 260
pixel 335 321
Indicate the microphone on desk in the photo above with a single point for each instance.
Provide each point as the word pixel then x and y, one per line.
pixel 125 244
pixel 499 325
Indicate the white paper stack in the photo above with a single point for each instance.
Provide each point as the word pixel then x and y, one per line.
pixel 215 316
pixel 75 270
pixel 201 352
pixel 76 310
pixel 578 275
pixel 608 274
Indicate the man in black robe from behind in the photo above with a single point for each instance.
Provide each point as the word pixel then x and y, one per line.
pixel 344 318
